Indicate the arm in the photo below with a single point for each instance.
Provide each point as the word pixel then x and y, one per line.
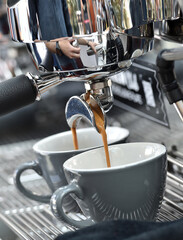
pixel 66 48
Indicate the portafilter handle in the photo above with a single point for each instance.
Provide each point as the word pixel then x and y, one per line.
pixel 23 90
pixel 16 93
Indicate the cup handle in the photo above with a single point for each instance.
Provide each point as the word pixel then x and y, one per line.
pixel 56 204
pixel 27 166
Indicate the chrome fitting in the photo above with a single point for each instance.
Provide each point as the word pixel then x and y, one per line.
pixel 35 79
pixel 44 82
pixel 77 108
pixel 101 90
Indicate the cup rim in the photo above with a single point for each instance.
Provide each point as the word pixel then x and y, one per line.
pixel 37 149
pixel 125 166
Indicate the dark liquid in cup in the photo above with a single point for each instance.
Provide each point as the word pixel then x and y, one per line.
pixel 99 119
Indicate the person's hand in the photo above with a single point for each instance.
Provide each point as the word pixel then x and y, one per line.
pixel 92 45
pixel 68 50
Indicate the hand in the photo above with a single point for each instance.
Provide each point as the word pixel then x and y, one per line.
pixel 68 50
pixel 92 45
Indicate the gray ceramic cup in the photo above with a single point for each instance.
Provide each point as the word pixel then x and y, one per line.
pixel 131 189
pixel 53 151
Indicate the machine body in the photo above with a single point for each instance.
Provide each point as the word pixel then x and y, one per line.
pixel 88 41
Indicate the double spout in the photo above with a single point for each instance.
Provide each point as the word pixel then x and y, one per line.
pixel 78 108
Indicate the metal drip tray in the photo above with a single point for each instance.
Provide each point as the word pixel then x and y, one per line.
pixel 31 220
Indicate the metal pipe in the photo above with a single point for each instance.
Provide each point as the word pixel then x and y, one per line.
pixel 179 108
pixel 173 54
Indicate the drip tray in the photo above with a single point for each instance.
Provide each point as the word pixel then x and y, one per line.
pixel 7 233
pixel 31 220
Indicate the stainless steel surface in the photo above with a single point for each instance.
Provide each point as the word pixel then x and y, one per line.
pixel 181 4
pixel 112 55
pixel 87 40
pixel 93 17
pixel 171 30
pixel 31 220
pixel 77 108
pixel 114 30
pixel 179 108
pixel 135 13
pixel 102 90
pixel 173 54
pixel 44 83
pixel 91 34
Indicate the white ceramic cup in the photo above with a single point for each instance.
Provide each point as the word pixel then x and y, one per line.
pixel 131 189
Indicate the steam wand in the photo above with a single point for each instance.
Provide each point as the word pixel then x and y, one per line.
pixel 167 77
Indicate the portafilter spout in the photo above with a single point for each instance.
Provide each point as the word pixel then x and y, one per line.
pixel 77 108
pixel 99 92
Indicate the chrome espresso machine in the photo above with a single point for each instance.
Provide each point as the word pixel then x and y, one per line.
pixel 89 42
pixel 116 49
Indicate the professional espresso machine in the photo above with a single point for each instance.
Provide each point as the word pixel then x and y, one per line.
pixel 110 35
pixel 90 42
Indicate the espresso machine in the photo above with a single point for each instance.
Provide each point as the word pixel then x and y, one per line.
pixel 105 36
pixel 90 42
pixel 116 35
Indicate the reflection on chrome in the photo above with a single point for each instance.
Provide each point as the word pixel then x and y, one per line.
pixel 172 30
pixel 83 37
pixel 90 40
pixel 109 54
pixel 46 20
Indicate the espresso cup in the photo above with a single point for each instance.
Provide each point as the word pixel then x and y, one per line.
pixel 131 189
pixel 51 152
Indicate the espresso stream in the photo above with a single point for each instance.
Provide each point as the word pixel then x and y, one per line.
pixel 75 139
pixel 99 119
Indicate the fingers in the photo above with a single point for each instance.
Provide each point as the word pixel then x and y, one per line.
pixel 74 52
pixel 93 47
pixel 74 55
pixel 68 50
pixel 75 49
